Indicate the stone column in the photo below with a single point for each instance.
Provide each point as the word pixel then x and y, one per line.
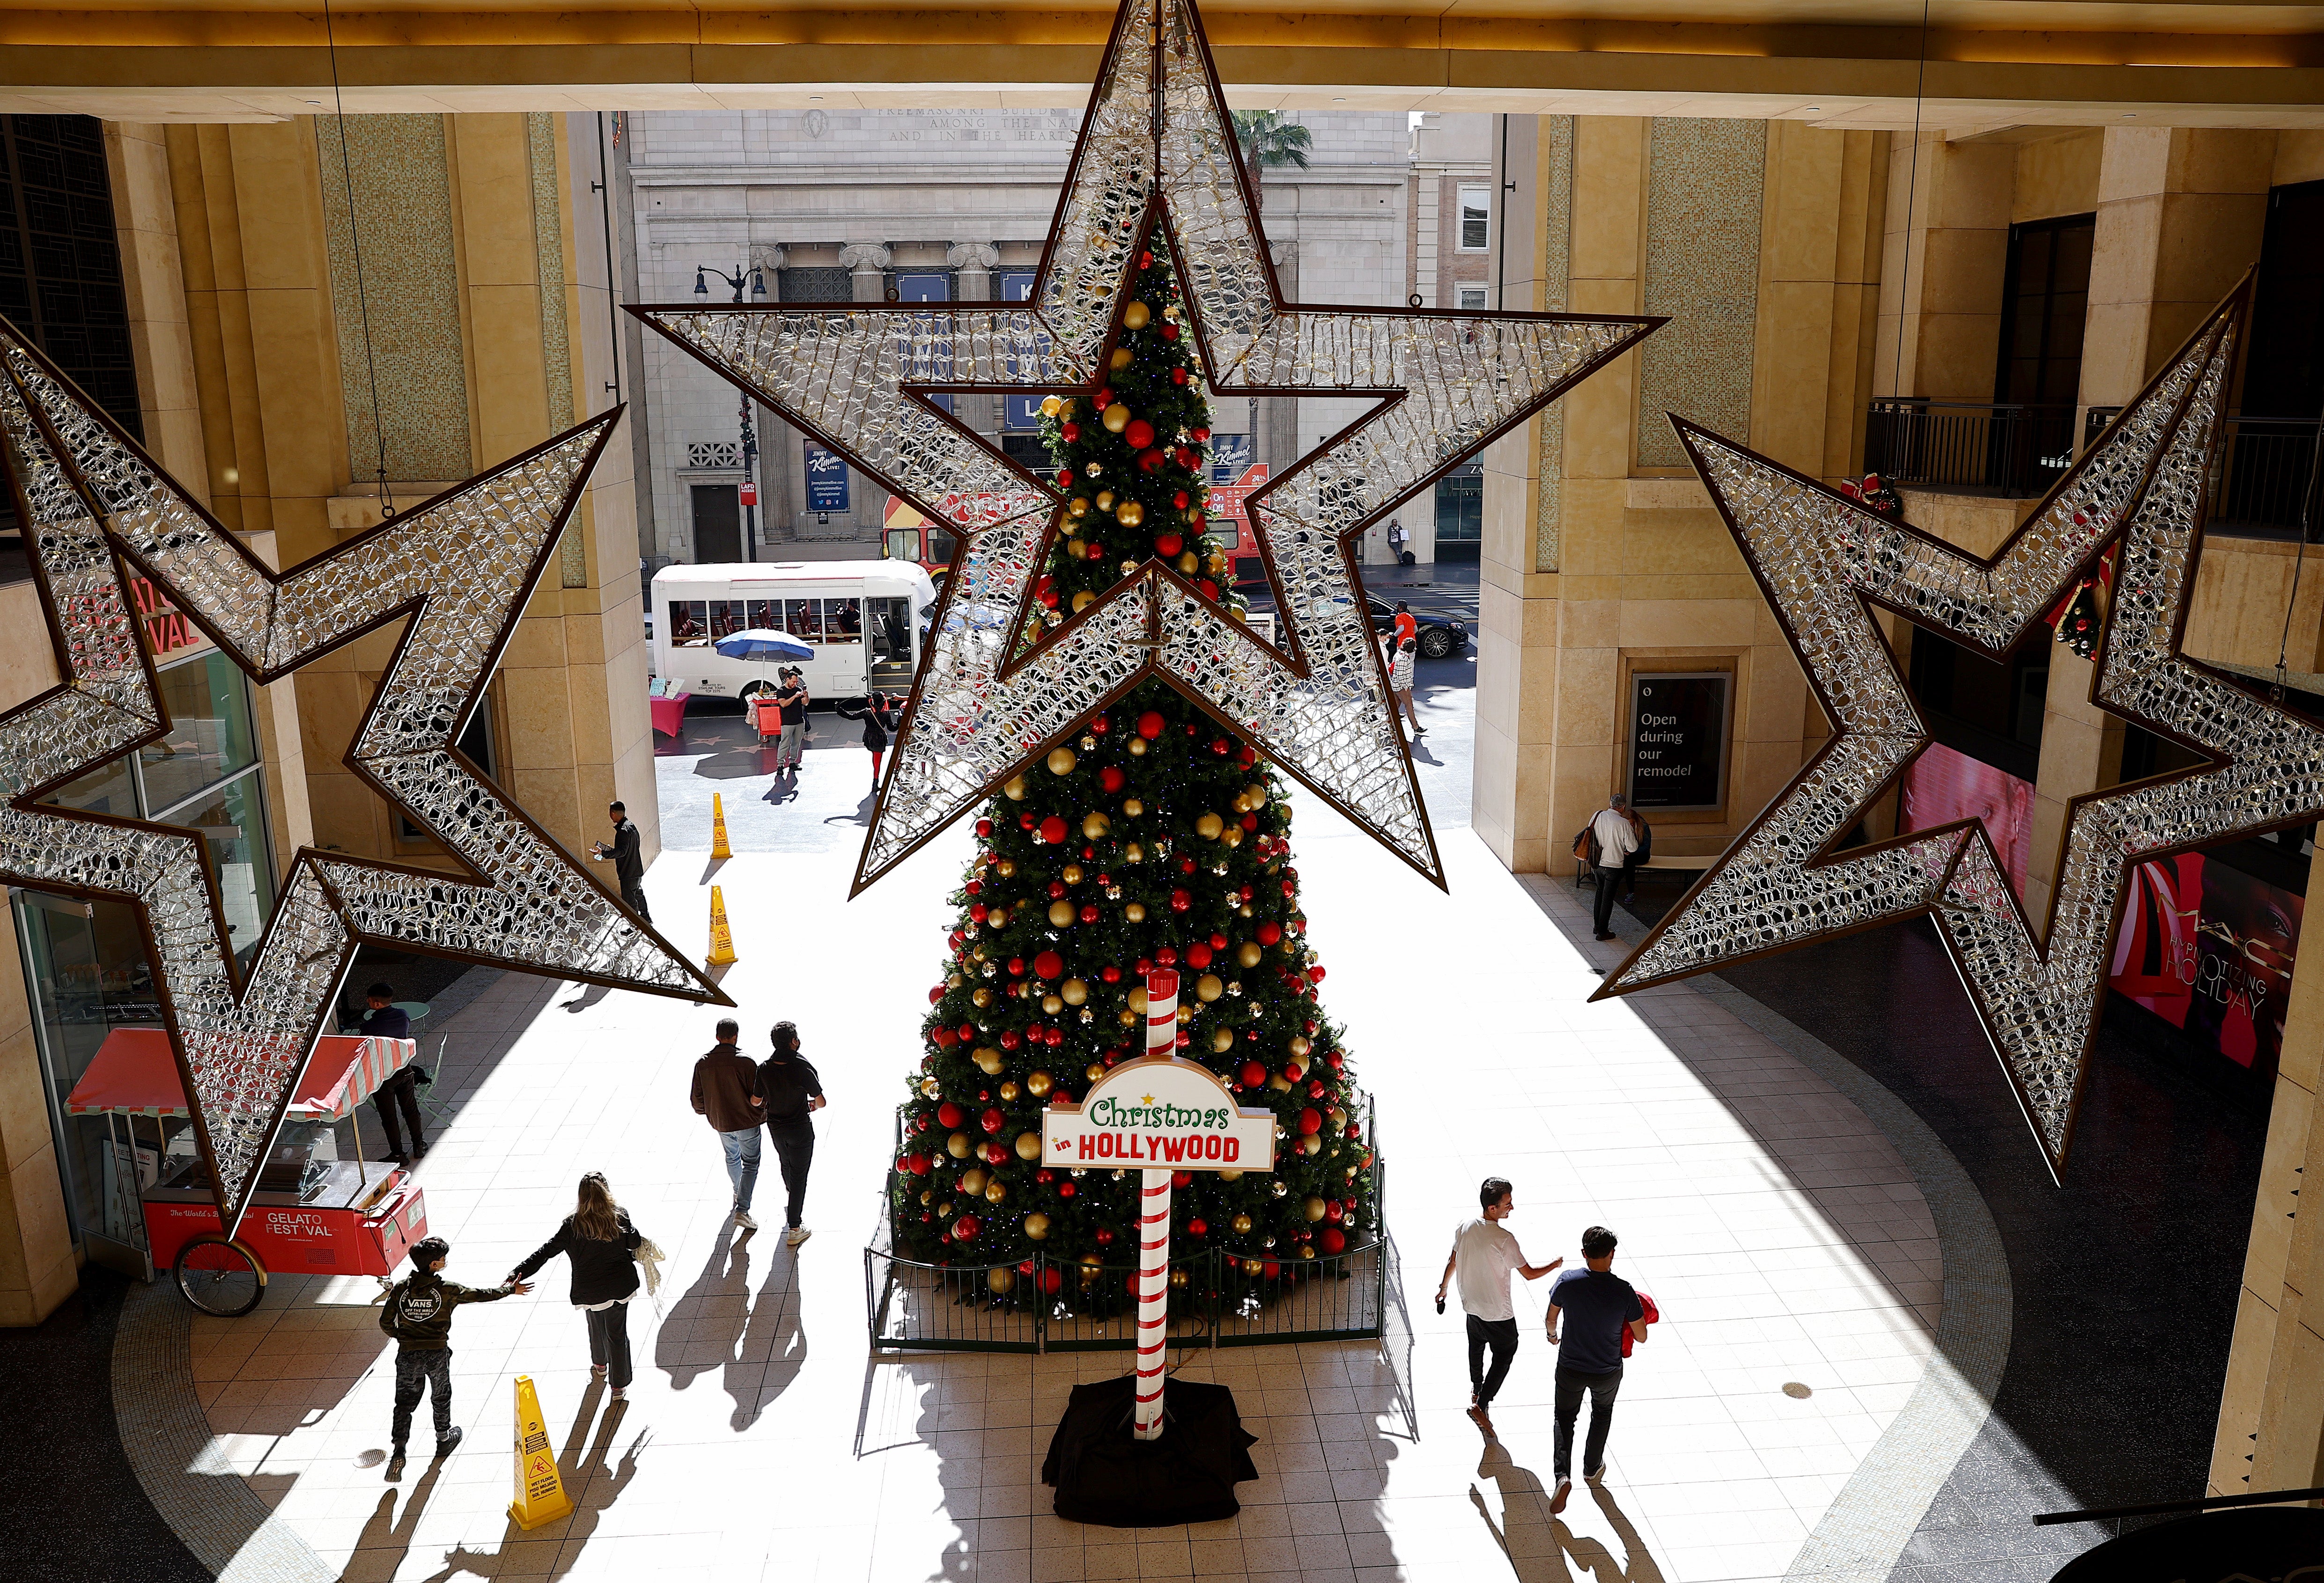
pixel 2180 211
pixel 1944 255
pixel 976 260
pixel 868 262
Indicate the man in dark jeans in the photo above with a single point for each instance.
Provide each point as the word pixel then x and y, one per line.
pixel 792 1092
pixel 385 1020
pixel 629 868
pixel 1484 1254
pixel 1595 1304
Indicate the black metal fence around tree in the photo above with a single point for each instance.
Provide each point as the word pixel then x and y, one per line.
pixel 1040 1304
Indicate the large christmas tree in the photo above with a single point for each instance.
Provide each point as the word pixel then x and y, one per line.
pixel 1155 839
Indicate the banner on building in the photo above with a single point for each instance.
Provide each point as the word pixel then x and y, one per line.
pixel 2208 948
pixel 827 478
pixel 1944 785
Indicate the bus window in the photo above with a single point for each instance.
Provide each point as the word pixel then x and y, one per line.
pixel 725 618
pixel 803 619
pixel 688 618
pixel 903 545
pixel 941 545
pixel 766 614
pixel 843 622
pixel 891 629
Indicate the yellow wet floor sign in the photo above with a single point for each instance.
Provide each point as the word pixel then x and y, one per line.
pixel 722 938
pixel 540 1494
pixel 718 847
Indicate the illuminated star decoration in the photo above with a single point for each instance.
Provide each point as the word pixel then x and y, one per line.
pixel 1156 162
pixel 461 567
pixel 1823 561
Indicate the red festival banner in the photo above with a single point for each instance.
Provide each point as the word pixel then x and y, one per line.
pixel 2208 949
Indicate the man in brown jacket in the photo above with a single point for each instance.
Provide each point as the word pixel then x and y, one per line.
pixel 726 1092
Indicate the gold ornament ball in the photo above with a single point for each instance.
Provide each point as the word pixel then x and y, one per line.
pixel 1248 953
pixel 1074 992
pixel 957 1145
pixel 1208 987
pixel 1129 1019
pixel 1137 744
pixel 1013 788
pixel 1051 406
pixel 995 1190
pixel 1051 1004
pixel 1038 1084
pixel 1096 1070
pixel 971 1180
pixel 1186 1014
pixel 1120 360
pixel 999 917
pixel 1071 873
pixel 1136 316
pixel 1233 836
pixel 945 1209
pixel 927 1198
pixel 1254 796
pixel 1134 853
pixel 1252 1266
pixel 988 1062
pixel 1000 1278
pixel 1092 1261
pixel 1306 1250
pixel 1006 868
pixel 1135 911
pixel 1105 500
pixel 1116 419
pixel 1061 913
pixel 928 1089
pixel 1131 515
pixel 1223 1041
pixel 1229 1176
pixel 953 981
pixel 1209 825
pixel 1074 547
pixel 1313 1208
pixel 1299 1044
pixel 1009 1091
pixel 1178 1278
pixel 1061 760
pixel 1137 999
pixel 1083 600
pixel 979 997
pixel 1029 1145
pixel 1094 827
pixel 1133 807
pixel 1077 508
pixel 1241 1223
pixel 1037 1226
pixel 1313 1143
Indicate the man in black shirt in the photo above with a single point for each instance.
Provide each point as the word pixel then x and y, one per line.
pixel 792 698
pixel 792 1092
pixel 1596 1307
pixel 629 868
pixel 385 1020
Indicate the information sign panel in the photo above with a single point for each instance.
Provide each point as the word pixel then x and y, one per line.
pixel 1677 737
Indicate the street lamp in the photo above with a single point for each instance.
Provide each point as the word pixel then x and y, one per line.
pixel 750 484
pixel 749 276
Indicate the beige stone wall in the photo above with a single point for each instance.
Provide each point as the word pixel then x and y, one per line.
pixel 2056 175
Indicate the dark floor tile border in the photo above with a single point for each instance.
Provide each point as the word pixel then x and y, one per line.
pixel 166 1435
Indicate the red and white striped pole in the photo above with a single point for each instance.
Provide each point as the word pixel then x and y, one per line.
pixel 1154 1226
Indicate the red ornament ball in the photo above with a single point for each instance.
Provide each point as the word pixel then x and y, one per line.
pixel 1089 913
pixel 1180 1179
pixel 1066 1189
pixel 1110 973
pixel 1072 431
pixel 1105 1237
pixel 1253 1074
pixel 993 1121
pixel 1111 778
pixel 1017 965
pixel 1049 965
pixel 1053 830
pixel 1052 1280
pixel 945 1038
pixel 1269 932
pixel 918 1164
pixel 1167 955
pixel 1198 1228
pixel 983 827
pixel 1198 955
pixel 1139 434
pixel 1150 725
pixel 1333 1240
pixel 1316 974
pixel 948 1115
pixel 1180 901
pixel 1309 1122
pixel 1010 1039
pixel 964 1227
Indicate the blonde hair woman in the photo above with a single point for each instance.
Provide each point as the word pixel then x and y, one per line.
pixel 602 1246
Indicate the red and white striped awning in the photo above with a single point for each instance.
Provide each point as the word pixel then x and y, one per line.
pixel 135 1074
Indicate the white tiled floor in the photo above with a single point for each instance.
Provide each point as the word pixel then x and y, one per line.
pixel 1777 1228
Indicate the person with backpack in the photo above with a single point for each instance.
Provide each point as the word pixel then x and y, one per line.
pixel 418 1313
pixel 1607 844
pixel 1598 1310
pixel 602 1246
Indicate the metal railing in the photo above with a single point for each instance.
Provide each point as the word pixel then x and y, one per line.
pixel 1040 1304
pixel 2012 450
pixel 2263 470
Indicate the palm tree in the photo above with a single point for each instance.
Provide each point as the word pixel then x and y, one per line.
pixel 1269 142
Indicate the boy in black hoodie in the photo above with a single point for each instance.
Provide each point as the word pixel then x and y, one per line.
pixel 418 1314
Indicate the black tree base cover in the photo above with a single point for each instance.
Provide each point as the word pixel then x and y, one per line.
pixel 1104 1474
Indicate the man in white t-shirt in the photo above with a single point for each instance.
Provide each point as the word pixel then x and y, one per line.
pixel 1484 1252
pixel 1614 833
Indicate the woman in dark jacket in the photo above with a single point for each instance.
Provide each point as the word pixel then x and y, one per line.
pixel 878 713
pixel 603 1245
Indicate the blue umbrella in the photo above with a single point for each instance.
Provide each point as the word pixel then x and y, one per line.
pixel 758 643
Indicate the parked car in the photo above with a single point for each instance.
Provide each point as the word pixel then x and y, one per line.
pixel 1441 637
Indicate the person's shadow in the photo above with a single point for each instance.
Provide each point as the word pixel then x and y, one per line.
pixel 1539 1546
pixel 778 1332
pixel 591 1486
pixel 862 814
pixel 711 1327
pixel 387 1533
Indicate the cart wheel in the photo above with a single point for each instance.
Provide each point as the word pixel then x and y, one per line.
pixel 221 1278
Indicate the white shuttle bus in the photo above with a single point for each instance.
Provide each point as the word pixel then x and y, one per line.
pixel 862 618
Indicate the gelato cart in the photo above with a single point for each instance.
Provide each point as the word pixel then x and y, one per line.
pixel 313 1213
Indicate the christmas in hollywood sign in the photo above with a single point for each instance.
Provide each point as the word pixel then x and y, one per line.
pixel 1165 1115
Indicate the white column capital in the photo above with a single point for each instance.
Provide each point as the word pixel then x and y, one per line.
pixel 864 257
pixel 972 255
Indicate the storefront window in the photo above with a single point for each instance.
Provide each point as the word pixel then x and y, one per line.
pixel 211 736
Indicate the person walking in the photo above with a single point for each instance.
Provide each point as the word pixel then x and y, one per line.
pixel 1399 682
pixel 1404 627
pixel 1484 1252
pixel 602 1246
pixel 792 1092
pixel 1595 1306
pixel 791 698
pixel 629 868
pixel 383 1019
pixel 1611 837
pixel 418 1312
pixel 878 717
pixel 726 1093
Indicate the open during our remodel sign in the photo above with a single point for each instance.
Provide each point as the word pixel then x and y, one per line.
pixel 1678 740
